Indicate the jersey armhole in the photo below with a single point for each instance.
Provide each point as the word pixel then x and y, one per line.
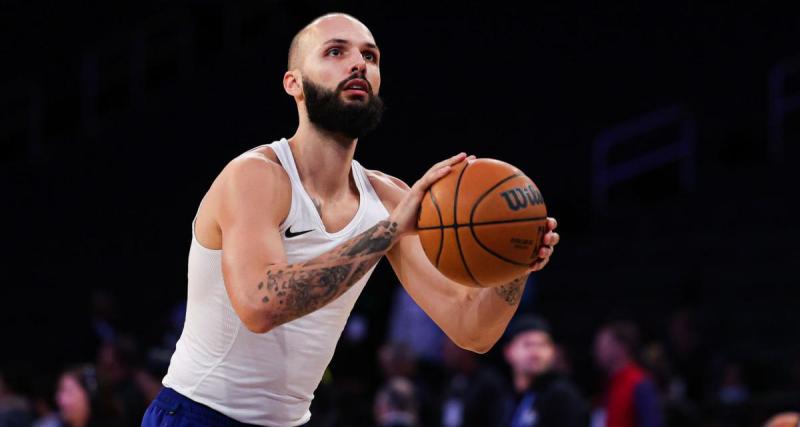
pixel 292 208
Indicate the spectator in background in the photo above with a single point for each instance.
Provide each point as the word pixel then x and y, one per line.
pixel 398 361
pixel 104 316
pixel 14 407
pixel 409 325
pixel 475 395
pixel 545 397
pixel 396 405
pixel 733 389
pixel 44 407
pixel 688 356
pixel 677 409
pixel 116 363
pixel 148 380
pixel 630 398
pixel 81 402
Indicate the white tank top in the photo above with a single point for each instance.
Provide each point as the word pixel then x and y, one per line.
pixel 266 379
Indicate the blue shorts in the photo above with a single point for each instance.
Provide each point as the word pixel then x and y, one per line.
pixel 172 409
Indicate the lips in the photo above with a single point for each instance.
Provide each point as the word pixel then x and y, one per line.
pixel 357 85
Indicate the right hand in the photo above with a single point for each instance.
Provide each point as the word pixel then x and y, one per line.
pixel 406 212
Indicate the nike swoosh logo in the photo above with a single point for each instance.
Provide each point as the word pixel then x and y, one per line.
pixel 289 234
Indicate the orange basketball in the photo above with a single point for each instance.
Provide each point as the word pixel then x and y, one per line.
pixel 482 224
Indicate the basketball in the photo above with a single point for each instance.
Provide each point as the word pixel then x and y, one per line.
pixel 482 224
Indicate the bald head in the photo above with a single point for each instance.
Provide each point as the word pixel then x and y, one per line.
pixel 305 37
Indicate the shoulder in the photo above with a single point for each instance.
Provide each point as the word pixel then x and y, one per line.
pixel 253 167
pixel 254 179
pixel 390 189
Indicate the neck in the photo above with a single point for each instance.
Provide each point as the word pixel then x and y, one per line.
pixel 522 381
pixel 323 160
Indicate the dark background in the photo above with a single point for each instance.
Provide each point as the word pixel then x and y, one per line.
pixel 117 116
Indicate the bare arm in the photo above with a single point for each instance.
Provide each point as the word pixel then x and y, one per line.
pixel 264 289
pixel 289 291
pixel 474 318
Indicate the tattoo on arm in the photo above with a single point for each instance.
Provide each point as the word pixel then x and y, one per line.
pixel 512 291
pixel 377 241
pixel 298 289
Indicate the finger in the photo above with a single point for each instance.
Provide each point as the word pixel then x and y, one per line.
pixel 430 178
pixel 538 265
pixel 551 239
pixel 437 172
pixel 449 162
pixel 471 157
pixel 545 252
pixel 457 158
pixel 551 223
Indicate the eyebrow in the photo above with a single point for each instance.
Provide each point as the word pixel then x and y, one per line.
pixel 343 41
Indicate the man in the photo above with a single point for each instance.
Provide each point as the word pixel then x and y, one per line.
pixel 546 398
pixel 285 239
pixel 631 399
pixel 475 395
pixel 396 404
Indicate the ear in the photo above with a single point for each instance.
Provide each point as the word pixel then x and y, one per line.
pixel 293 83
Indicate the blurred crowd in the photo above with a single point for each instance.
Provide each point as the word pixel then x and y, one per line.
pixel 415 376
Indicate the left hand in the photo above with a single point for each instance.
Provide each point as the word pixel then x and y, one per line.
pixel 549 241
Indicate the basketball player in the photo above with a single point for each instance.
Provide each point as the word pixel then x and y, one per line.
pixel 283 243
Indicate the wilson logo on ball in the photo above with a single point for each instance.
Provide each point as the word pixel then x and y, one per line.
pixel 518 198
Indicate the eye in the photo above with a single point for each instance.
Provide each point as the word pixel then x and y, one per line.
pixel 369 56
pixel 334 51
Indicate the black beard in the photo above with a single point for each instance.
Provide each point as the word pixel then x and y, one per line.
pixel 328 111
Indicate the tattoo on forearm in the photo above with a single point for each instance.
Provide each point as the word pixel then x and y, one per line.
pixel 512 291
pixel 377 241
pixel 362 268
pixel 302 288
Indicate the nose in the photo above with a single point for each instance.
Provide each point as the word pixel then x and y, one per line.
pixel 359 66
